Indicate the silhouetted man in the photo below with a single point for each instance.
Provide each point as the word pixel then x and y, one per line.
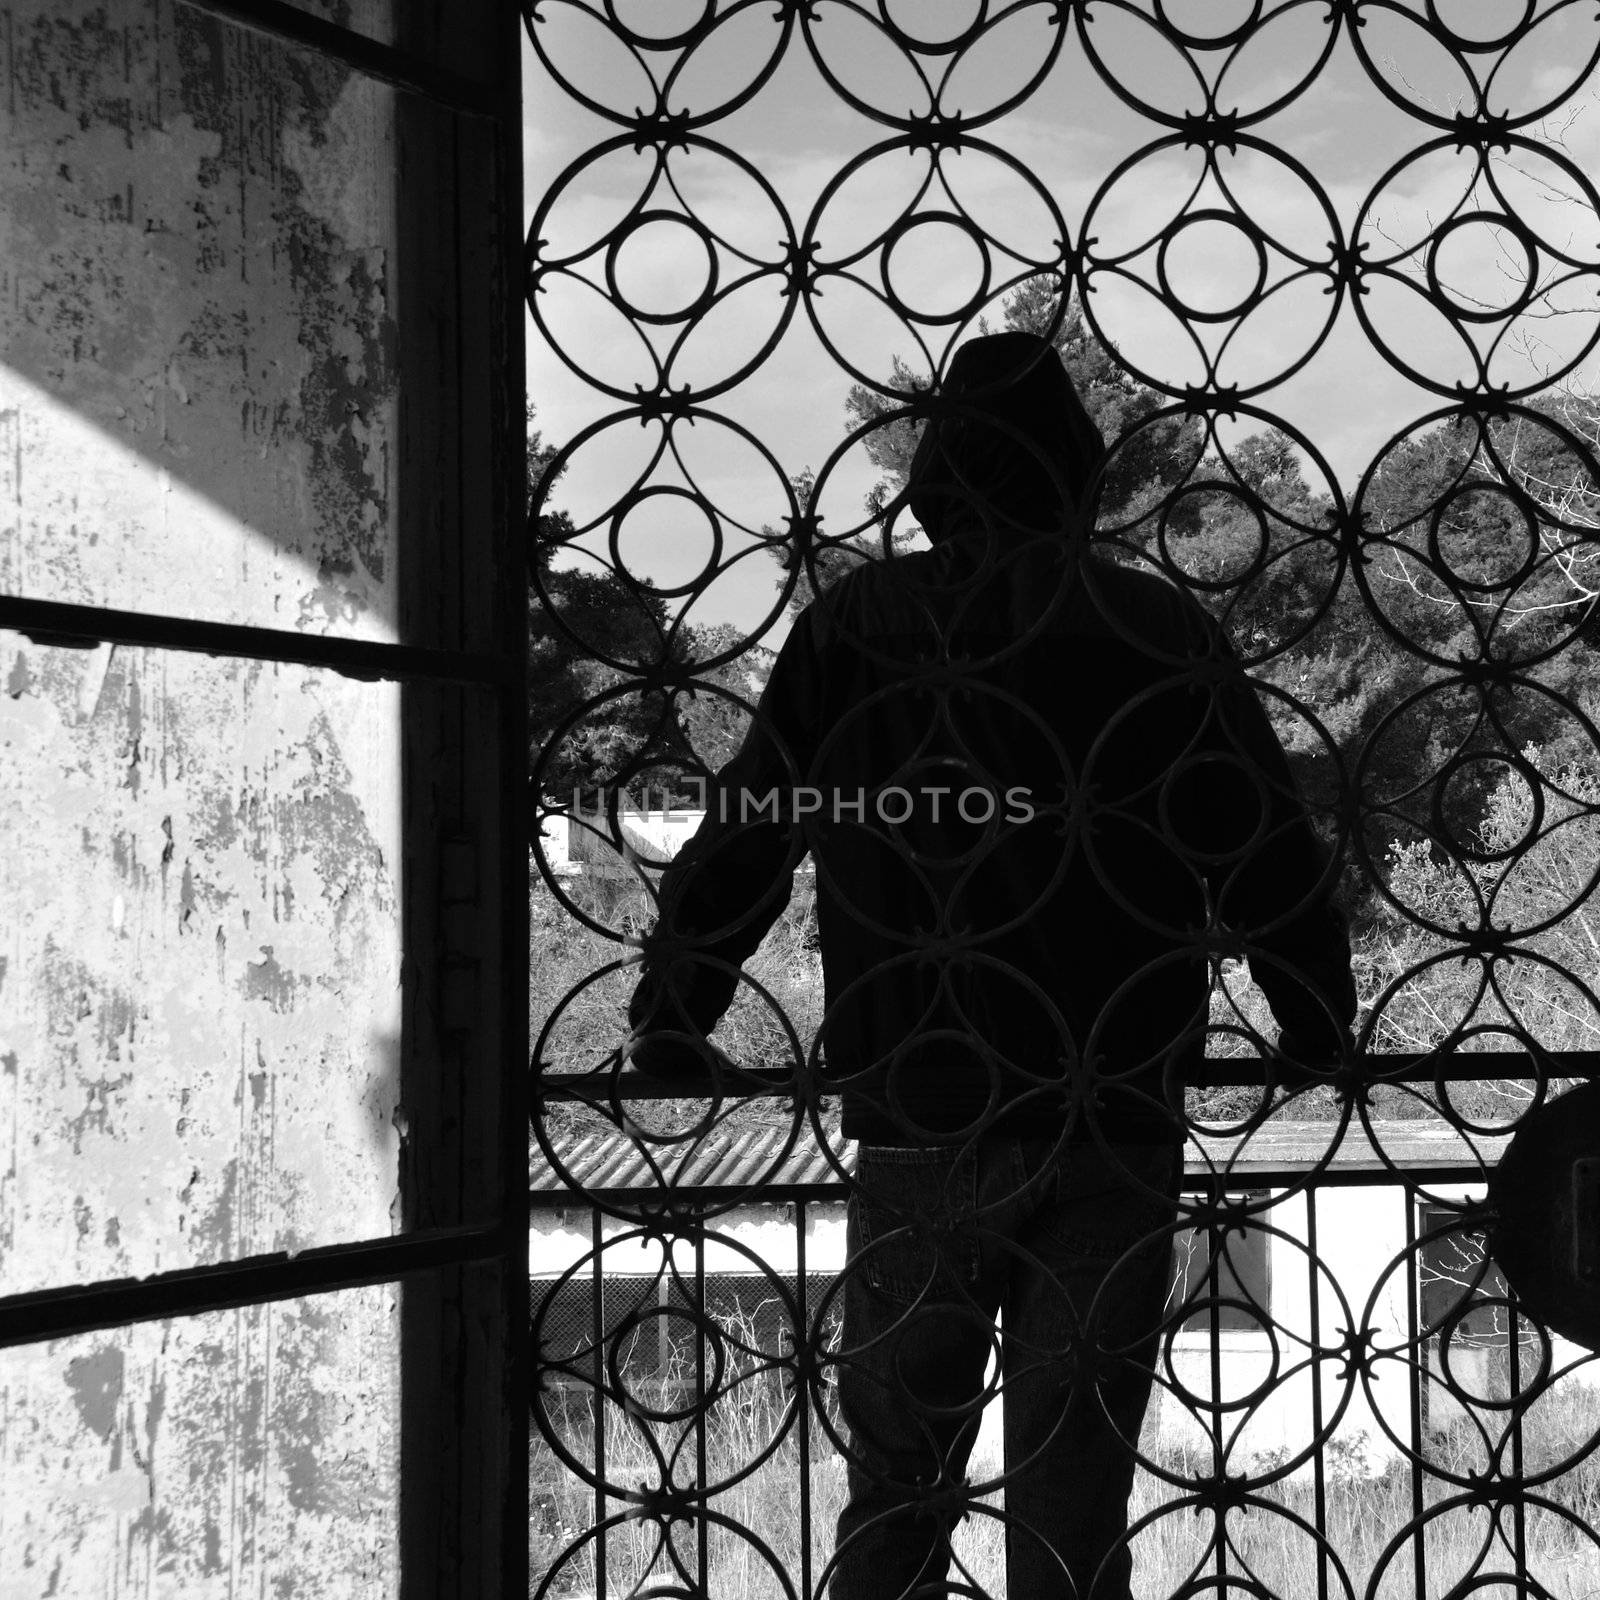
pixel 1043 802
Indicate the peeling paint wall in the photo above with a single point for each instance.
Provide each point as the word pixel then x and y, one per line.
pixel 200 1013
pixel 200 951
pixel 197 273
pixel 242 1453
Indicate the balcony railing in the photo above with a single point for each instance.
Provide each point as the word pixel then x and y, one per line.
pixel 1347 1399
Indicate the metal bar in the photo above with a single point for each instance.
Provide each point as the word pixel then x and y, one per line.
pixel 1365 1176
pixel 54 622
pixel 372 59
pixel 1213 1282
pixel 1419 1549
pixel 191 1291
pixel 1239 1178
pixel 662 1301
pixel 1409 1067
pixel 598 1325
pixel 510 637
pixel 1519 1508
pixel 1220 1556
pixel 803 1396
pixel 702 1530
pixel 751 1082
pixel 1319 1474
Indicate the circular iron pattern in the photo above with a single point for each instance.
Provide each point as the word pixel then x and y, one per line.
pixel 1421 624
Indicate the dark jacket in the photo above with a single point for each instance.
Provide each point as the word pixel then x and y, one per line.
pixel 1098 810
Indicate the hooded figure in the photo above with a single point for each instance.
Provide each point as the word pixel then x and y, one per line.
pixel 1041 799
pixel 1011 442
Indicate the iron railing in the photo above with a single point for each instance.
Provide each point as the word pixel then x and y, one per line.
pixel 1395 1426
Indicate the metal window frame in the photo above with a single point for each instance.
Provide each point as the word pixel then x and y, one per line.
pixel 464 1364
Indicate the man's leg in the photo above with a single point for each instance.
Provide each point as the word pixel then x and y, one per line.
pixel 916 1338
pixel 1081 1313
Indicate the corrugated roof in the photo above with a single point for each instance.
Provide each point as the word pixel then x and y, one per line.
pixel 754 1154
pixel 733 1158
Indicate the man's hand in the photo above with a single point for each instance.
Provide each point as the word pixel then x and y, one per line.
pixel 1301 1062
pixel 675 1057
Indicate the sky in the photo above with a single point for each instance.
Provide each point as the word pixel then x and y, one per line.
pixel 1052 157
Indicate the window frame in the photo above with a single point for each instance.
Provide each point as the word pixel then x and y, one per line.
pixel 1187 1275
pixel 462 1255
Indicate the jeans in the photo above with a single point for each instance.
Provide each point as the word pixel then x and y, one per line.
pixel 1067 1244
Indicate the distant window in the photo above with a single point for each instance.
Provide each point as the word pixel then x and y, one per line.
pixel 1223 1278
pixel 1458 1286
pixel 1467 1322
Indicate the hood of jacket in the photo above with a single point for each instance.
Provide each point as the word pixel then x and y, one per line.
pixel 1007 445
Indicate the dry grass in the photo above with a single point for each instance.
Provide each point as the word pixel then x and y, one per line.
pixel 752 1546
pixel 590 1017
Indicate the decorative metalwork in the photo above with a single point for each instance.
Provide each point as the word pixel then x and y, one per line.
pixel 1416 611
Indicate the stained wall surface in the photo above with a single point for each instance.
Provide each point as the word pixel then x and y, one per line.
pixel 200 950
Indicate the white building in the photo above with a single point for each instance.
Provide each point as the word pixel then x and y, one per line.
pixel 1328 1277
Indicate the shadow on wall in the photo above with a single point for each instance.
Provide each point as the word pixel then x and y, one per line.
pixel 199 363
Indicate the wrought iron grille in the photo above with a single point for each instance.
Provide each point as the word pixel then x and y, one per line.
pixel 1228 219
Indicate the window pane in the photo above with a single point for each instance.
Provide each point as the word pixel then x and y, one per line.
pixel 243 1452
pixel 1240 1281
pixel 1455 1268
pixel 199 365
pixel 200 1001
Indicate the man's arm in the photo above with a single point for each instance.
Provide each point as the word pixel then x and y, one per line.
pixel 732 879
pixel 1278 895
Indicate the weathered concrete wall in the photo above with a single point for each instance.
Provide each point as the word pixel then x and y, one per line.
pixel 200 1007
pixel 243 1453
pixel 196 268
pixel 200 997
pixel 197 273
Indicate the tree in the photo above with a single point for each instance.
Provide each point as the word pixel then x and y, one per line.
pixel 1539 849
pixel 1467 562
pixel 824 561
pixel 1152 461
pixel 591 634
pixel 714 723
pixel 581 624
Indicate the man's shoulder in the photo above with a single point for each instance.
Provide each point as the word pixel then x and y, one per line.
pixel 1146 598
pixel 1142 581
pixel 899 590
pixel 869 588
